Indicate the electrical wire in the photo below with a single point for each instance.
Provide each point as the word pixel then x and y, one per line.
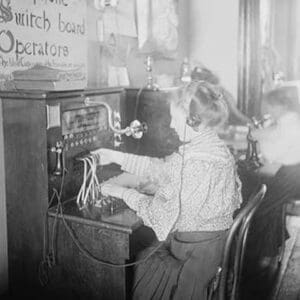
pixel 43 274
pixel 181 182
pixel 49 259
pixel 137 104
pixel 137 101
pixel 90 187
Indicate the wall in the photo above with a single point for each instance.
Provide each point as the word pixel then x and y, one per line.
pixel 208 33
pixel 97 59
pixel 286 37
pixel 3 229
pixel 213 37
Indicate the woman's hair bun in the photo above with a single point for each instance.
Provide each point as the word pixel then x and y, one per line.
pixel 208 103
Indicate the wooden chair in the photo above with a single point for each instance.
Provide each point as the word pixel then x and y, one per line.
pixel 226 283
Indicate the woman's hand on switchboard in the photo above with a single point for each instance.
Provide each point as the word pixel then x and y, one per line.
pixel 108 156
pixel 125 180
pixel 113 190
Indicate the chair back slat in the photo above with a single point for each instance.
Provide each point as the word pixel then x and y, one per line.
pixel 238 233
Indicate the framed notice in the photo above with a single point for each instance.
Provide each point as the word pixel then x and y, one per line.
pixel 51 33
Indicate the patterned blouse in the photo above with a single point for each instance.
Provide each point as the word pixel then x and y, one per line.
pixel 198 187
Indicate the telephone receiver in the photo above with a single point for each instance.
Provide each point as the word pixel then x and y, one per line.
pixel 252 152
pixel 137 129
pixel 58 150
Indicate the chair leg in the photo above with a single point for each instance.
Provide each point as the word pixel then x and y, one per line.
pixel 282 248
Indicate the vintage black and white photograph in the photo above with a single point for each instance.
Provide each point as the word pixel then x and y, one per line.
pixel 150 149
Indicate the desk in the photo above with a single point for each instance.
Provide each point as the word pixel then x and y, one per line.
pixel 104 236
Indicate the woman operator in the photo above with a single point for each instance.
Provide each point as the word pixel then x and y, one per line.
pixel 195 192
pixel 280 146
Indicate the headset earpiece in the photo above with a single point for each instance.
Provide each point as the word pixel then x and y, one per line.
pixel 193 121
pixel 189 122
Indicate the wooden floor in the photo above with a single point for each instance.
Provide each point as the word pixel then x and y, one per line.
pixel 279 281
pixel 288 286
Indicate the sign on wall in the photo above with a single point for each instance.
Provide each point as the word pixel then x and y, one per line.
pixel 48 32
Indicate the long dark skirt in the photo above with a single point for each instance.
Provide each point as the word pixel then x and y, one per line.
pixel 181 268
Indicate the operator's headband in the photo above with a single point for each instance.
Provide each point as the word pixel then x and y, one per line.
pixel 190 90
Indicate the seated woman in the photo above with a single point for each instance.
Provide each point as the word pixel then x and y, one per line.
pixel 280 146
pixel 196 190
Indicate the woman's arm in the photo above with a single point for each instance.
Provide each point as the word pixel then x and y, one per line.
pixel 131 163
pixel 202 192
pixel 114 190
pixel 141 165
pixel 283 187
pixel 162 211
